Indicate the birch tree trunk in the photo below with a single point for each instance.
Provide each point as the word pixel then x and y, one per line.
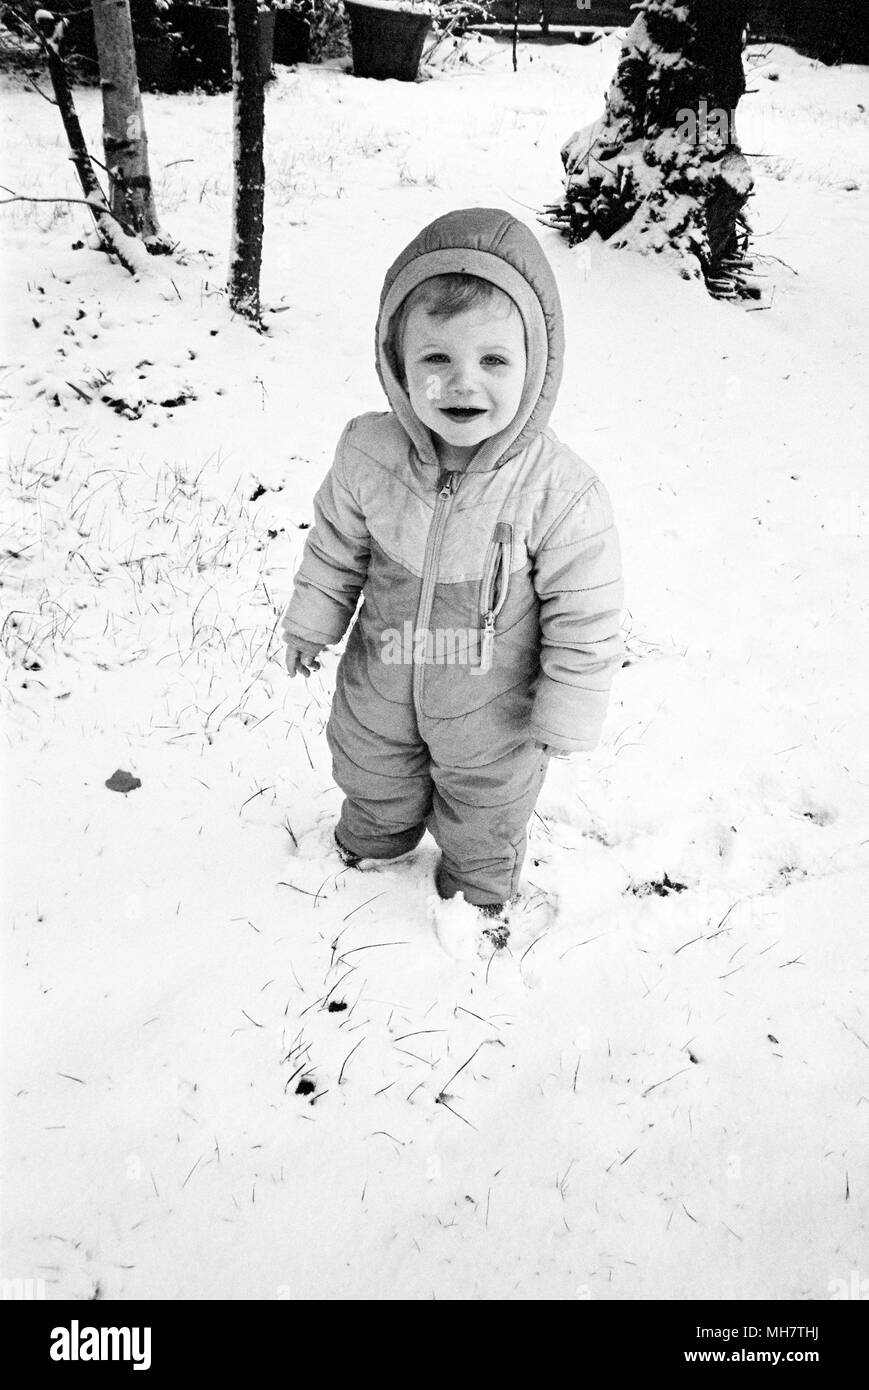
pixel 662 169
pixel 114 236
pixel 248 124
pixel 131 195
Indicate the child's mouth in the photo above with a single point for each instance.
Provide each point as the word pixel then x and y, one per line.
pixel 462 414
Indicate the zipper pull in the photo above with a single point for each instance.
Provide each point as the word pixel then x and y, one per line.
pixel 445 482
pixel 488 642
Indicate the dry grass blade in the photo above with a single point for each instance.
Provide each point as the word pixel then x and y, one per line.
pixel 347 1058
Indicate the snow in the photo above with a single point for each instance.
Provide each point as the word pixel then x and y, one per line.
pixel 661 1092
pixel 408 6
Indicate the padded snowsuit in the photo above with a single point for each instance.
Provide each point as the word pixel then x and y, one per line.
pixel 491 597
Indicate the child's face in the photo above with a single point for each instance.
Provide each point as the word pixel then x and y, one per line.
pixel 465 374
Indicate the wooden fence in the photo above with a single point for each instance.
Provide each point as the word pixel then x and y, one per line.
pixel 832 30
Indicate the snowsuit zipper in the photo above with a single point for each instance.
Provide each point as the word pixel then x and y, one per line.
pixel 493 594
pixel 447 484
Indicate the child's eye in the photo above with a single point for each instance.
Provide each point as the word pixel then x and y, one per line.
pixel 494 360
pixel 435 357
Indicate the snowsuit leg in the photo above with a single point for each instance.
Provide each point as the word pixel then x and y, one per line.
pixel 480 813
pixel 474 785
pixel 382 767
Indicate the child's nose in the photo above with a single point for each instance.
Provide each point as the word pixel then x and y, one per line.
pixel 462 377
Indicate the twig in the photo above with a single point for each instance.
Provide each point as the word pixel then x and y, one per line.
pixel 83 202
pixel 45 97
pixel 780 261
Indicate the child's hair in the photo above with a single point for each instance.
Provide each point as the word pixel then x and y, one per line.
pixel 443 297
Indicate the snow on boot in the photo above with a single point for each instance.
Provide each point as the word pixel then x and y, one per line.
pixel 525 917
pixel 532 907
pixel 320 864
pixel 496 928
pixel 468 931
pixel 456 924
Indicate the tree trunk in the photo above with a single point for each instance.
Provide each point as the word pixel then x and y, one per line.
pixel 111 230
pixel 126 146
pixel 248 114
pixel 662 169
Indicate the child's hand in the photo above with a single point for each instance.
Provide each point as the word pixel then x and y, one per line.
pixel 302 657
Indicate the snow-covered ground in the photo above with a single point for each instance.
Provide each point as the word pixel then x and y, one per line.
pixel 667 1093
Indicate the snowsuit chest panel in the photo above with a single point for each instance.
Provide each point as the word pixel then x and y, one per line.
pixel 450 615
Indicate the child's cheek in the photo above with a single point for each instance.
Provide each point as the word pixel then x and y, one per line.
pixel 433 387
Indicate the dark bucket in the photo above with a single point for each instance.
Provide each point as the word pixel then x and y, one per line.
pixel 386 43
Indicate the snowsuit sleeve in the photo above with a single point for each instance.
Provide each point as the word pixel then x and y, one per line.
pixel 335 561
pixel 578 580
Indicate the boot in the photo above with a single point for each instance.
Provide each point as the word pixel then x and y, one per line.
pixel 497 928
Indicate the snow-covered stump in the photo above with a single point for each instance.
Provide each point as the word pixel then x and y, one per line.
pixel 662 169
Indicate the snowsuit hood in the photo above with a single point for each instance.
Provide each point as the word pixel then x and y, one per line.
pixel 492 244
